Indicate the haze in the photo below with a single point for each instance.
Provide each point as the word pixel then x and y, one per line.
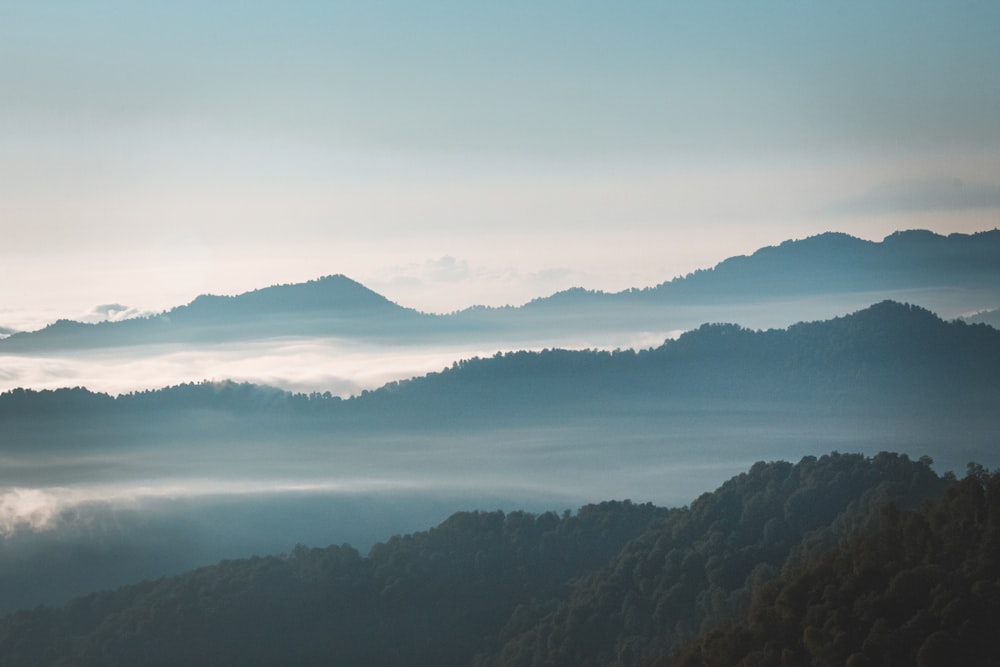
pixel 446 155
pixel 443 155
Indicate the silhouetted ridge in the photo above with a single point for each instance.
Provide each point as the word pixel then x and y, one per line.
pixel 333 305
pixel 820 264
pixel 330 294
pixel 890 351
pixel 832 267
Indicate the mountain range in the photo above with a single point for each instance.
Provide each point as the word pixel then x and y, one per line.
pixel 818 276
pixel 101 489
pixel 888 376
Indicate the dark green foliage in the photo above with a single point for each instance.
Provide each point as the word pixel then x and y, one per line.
pixel 703 564
pixel 616 583
pixel 920 588
pixel 433 598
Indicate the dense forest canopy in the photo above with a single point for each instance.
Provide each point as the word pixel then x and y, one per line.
pixel 614 583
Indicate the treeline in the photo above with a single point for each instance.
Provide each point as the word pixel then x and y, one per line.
pixel 613 584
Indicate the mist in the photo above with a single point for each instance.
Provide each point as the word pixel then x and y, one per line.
pixel 347 365
pixel 104 506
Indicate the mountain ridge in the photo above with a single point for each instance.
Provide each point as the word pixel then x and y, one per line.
pixel 825 266
pixel 866 349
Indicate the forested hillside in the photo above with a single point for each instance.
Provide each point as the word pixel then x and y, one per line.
pixel 705 564
pixel 922 587
pixel 889 350
pixel 433 598
pixel 616 583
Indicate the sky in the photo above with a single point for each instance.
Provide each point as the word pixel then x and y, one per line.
pixel 447 154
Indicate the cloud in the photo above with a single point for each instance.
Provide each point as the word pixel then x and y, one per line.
pixel 917 197
pixel 301 365
pixel 50 508
pixel 20 507
pixel 112 312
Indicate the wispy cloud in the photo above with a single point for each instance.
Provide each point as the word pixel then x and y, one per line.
pixel 301 365
pixel 46 508
pixel 112 312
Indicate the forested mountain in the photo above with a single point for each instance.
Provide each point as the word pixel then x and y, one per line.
pixel 553 428
pixel 433 598
pixel 922 587
pixel 896 352
pixel 616 583
pixel 812 277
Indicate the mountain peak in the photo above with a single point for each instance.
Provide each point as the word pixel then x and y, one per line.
pixel 328 293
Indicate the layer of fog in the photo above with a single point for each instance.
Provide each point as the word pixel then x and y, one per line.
pixel 341 367
pixel 75 519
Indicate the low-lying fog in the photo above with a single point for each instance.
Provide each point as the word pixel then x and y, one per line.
pixel 80 519
pixel 86 508
pixel 344 366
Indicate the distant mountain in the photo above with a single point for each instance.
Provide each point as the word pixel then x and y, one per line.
pixel 830 262
pixel 651 424
pixel 990 317
pixel 812 278
pixel 889 351
pixel 616 583
pixel 329 306
pixel 835 262
pixel 888 376
pixel 886 354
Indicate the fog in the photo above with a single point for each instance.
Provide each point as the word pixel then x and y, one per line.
pixel 79 515
pixel 89 502
pixel 347 366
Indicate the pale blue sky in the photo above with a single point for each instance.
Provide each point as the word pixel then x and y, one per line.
pixel 450 153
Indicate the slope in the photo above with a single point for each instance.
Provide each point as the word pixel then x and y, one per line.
pixel 486 581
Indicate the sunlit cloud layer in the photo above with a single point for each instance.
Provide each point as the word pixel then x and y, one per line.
pixel 341 367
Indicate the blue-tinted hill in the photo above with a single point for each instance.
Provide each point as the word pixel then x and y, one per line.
pixel 830 262
pixel 329 306
pixel 809 278
pixel 887 353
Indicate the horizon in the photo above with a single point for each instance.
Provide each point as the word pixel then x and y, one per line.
pixel 111 312
pixel 448 156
